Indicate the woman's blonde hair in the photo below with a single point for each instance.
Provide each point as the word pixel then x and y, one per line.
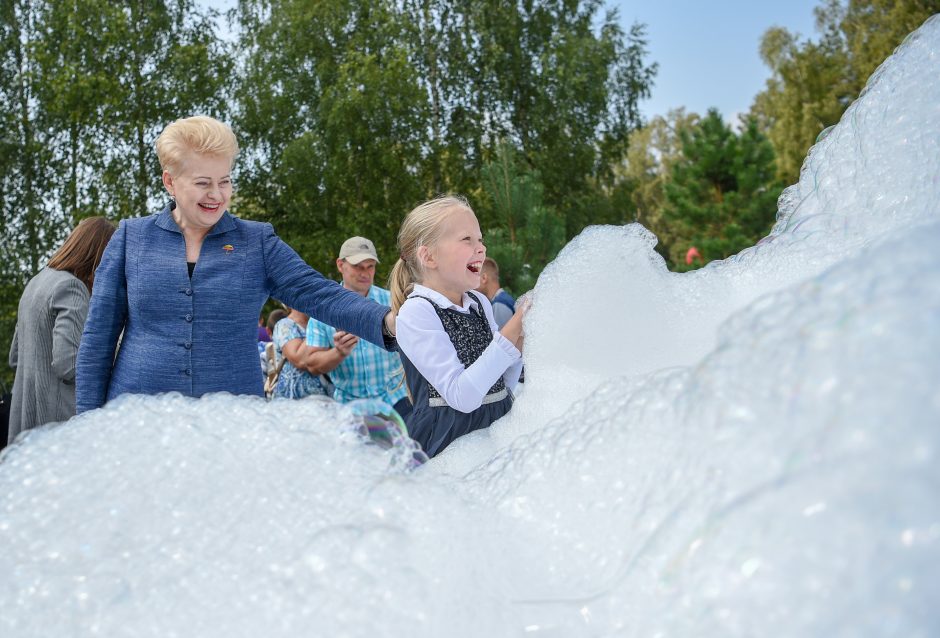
pixel 201 135
pixel 422 227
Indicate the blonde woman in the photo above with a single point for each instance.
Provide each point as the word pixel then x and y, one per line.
pixel 187 284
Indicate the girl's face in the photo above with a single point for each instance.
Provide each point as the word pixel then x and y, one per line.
pixel 202 191
pixel 452 266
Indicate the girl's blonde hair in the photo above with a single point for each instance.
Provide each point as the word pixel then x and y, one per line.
pixel 422 227
pixel 201 135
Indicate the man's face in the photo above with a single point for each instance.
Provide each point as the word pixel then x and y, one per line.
pixel 357 277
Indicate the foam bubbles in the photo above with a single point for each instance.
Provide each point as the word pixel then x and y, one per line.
pixel 749 449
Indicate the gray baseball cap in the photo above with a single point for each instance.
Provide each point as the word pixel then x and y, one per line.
pixel 357 249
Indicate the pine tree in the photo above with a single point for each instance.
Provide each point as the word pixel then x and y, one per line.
pixel 640 179
pixel 521 233
pixel 721 195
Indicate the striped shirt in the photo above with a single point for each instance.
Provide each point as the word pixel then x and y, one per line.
pixel 369 372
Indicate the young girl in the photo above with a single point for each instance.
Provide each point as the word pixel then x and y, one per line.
pixel 459 367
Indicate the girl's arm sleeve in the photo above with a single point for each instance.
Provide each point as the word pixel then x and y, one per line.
pixel 512 374
pixel 107 313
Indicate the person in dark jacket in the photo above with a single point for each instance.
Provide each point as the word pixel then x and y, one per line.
pixel 186 285
pixel 49 324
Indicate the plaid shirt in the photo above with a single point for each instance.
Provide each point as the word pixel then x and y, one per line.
pixel 369 372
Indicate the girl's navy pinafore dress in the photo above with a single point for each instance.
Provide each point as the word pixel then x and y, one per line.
pixel 433 423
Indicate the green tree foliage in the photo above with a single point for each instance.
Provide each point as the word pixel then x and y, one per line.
pixel 31 221
pixel 444 53
pixel 356 111
pixel 808 91
pixel 335 121
pixel 526 234
pixel 812 83
pixel 103 78
pixel 167 62
pixel 640 178
pixel 721 195
pixel 874 28
pixel 564 93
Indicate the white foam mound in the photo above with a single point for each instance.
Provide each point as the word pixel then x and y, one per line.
pixel 750 449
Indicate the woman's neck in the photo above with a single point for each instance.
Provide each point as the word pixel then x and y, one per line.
pixel 192 237
pixel 190 233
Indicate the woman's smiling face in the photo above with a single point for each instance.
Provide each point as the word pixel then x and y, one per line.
pixel 202 191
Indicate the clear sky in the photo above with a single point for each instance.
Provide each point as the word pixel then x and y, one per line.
pixel 708 51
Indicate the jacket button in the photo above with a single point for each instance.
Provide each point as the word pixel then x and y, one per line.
pixel 189 292
pixel 189 318
pixel 188 345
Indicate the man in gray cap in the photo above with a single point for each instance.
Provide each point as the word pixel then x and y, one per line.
pixel 359 370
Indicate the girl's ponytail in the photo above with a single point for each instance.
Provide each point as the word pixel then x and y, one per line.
pixel 400 283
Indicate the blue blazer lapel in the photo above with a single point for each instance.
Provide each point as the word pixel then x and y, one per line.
pixel 165 220
pixel 225 224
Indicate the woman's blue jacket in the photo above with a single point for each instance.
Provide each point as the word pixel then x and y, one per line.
pixel 198 335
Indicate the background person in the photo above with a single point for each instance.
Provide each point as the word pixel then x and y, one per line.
pixel 295 380
pixel 49 324
pixel 266 349
pixel 263 334
pixel 186 285
pixel 459 367
pixel 276 315
pixel 359 370
pixel 504 305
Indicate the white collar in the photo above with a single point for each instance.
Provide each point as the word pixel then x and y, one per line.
pixel 466 301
